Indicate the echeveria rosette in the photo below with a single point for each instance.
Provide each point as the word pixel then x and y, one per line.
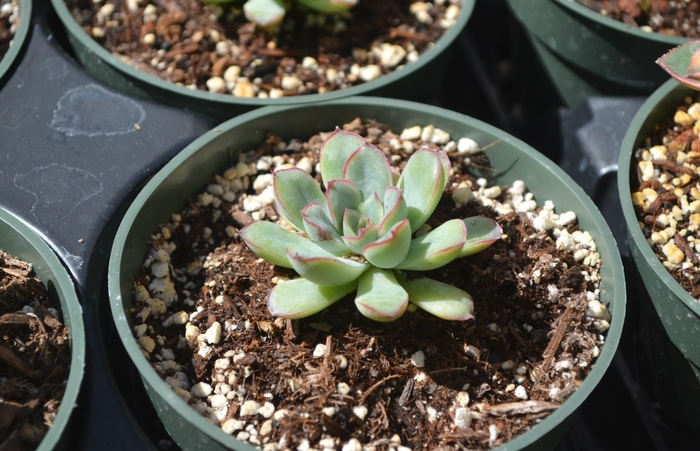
pixel 269 13
pixel 359 235
pixel 683 63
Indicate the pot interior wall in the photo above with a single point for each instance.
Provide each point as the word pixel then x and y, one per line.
pixel 188 174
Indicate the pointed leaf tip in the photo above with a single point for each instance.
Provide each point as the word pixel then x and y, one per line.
pixel 482 232
pixel 442 300
pixel 683 63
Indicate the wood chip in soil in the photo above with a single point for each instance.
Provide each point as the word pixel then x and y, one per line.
pixel 214 48
pixel 34 357
pixel 337 378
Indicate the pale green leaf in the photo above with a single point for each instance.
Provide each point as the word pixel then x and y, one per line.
pixel 379 295
pixel 394 209
pixel 294 189
pixel 352 222
pixel 342 195
pixel 372 209
pixel 482 232
pixel 440 299
pixel 437 247
pixel 322 267
pixel 422 182
pixel 321 230
pixel 299 298
pixel 335 151
pixel 270 241
pixel 392 248
pixel 329 6
pixel 369 169
pixel 266 13
pixel 365 236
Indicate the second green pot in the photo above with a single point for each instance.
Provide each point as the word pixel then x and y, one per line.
pixel 408 82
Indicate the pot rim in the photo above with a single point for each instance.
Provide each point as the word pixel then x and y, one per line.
pixel 74 29
pixel 629 145
pixel 436 115
pixel 18 41
pixel 30 247
pixel 604 21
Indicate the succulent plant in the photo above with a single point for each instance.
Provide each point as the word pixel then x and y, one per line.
pixel 269 13
pixel 360 235
pixel 683 63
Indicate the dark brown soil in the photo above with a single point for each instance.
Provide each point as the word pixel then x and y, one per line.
pixel 34 357
pixel 183 34
pixel 664 199
pixel 338 375
pixel 7 32
pixel 675 18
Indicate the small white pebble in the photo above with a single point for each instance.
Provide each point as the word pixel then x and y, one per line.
pixel 290 82
pixel 249 408
pixel 267 410
pixel 216 84
pixel 352 445
pixel 467 146
pixel 370 72
pixel 213 334
pixel 319 350
pixel 418 359
pixel 463 418
pixel 520 392
pixel 360 412
pixel 202 390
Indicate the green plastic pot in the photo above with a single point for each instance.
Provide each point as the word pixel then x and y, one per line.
pixel 408 82
pixel 19 240
pixel 678 312
pixel 584 53
pixel 189 172
pixel 12 57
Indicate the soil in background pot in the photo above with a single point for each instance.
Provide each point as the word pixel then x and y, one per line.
pixel 34 357
pixel 674 18
pixel 215 48
pixel 9 18
pixel 339 380
pixel 667 197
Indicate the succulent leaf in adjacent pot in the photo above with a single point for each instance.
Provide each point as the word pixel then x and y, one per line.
pixel 133 77
pixel 20 241
pixel 189 173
